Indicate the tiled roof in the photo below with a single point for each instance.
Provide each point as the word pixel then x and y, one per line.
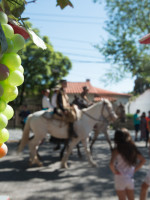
pixel 106 92
pixel 76 88
pixel 104 97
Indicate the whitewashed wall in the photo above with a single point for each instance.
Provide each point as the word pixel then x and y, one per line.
pixel 142 102
pixel 122 99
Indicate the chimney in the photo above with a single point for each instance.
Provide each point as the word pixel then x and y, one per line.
pixel 87 80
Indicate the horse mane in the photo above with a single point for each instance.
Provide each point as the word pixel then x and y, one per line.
pixel 93 105
pixel 108 102
pixel 99 102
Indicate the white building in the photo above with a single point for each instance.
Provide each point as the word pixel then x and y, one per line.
pixel 142 102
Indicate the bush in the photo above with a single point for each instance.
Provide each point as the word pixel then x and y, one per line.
pixel 129 116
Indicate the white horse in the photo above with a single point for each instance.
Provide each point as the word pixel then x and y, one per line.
pixel 40 126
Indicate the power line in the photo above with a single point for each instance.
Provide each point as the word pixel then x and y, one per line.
pixel 61 21
pixel 69 40
pixel 68 16
pixel 86 61
pixel 72 48
pixel 74 54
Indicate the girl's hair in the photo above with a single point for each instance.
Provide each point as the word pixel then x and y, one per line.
pixel 125 146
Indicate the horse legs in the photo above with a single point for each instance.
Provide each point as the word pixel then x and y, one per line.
pixel 96 133
pixel 108 140
pixel 66 146
pixel 68 152
pixel 85 143
pixel 78 149
pixel 33 148
pixel 66 142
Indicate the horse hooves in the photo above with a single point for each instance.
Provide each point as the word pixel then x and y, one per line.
pixel 94 164
pixel 64 166
pixel 39 164
pixel 32 163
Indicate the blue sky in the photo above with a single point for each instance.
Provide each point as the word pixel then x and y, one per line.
pixel 74 31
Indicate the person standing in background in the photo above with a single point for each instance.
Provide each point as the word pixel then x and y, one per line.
pixel 148 127
pixel 24 114
pixel 143 126
pixel 136 121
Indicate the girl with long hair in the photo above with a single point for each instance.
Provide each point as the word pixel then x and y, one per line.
pixel 125 161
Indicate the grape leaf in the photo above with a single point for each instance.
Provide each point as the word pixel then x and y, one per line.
pixel 36 40
pixel 14 7
pixel 64 3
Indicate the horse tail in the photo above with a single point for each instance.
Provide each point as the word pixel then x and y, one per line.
pixel 25 135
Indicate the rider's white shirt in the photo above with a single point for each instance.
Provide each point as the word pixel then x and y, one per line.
pixel 54 100
pixel 46 102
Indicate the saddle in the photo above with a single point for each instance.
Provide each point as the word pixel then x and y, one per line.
pixel 71 116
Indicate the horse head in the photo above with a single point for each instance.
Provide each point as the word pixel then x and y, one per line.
pixel 108 111
pixel 120 111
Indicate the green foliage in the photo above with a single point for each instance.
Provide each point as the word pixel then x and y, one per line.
pixel 129 116
pixel 16 7
pixel 13 7
pixel 42 68
pixel 141 84
pixel 127 22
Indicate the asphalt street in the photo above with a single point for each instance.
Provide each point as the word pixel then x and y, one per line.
pixel 50 182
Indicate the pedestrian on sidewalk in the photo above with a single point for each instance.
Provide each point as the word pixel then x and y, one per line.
pixel 143 126
pixel 125 161
pixel 148 128
pixel 136 121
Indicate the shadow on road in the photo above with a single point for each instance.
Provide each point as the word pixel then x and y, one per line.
pixel 81 181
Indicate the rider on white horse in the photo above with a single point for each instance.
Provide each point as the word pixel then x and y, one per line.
pixel 40 126
pixel 65 110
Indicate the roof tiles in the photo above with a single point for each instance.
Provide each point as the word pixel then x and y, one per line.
pixel 76 88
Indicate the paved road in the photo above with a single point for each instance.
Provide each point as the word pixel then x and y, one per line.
pixel 80 182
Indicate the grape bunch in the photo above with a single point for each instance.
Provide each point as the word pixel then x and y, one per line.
pixel 11 76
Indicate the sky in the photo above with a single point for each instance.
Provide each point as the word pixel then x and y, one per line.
pixel 74 32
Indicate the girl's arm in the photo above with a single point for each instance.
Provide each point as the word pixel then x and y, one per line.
pixel 111 164
pixel 140 163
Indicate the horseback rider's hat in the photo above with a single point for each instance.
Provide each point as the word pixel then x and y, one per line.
pixel 85 88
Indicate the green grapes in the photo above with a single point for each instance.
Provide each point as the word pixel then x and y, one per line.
pixel 4 135
pixel 11 76
pixel 3 121
pixel 8 30
pixel 3 18
pixel 15 78
pixel 11 60
pixel 18 41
